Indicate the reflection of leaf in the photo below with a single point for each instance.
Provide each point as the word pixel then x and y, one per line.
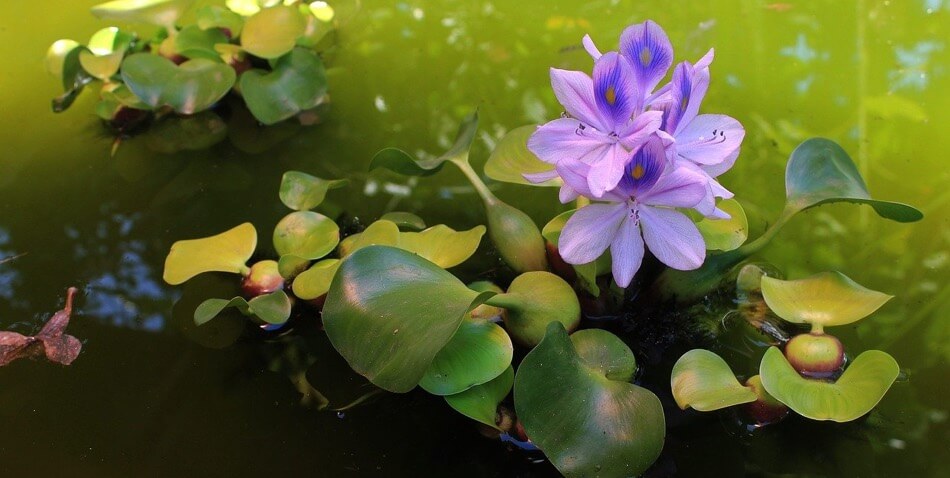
pixel 186 133
pixel 586 423
pixel 703 380
pixel 511 159
pixel 404 163
pixel 480 403
pixel 51 340
pixel 157 12
pixel 855 393
pixel 893 106
pixel 825 299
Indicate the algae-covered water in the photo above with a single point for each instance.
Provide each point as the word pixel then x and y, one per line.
pixel 149 397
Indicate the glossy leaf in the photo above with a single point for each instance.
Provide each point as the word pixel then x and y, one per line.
pixel 272 32
pixel 406 220
pixel 480 403
pixel 289 265
pixel 511 159
pixel 156 12
pixel 195 42
pixel 225 252
pixel 389 312
pixel 302 192
pixel 485 311
pixel 606 353
pixel 703 380
pixel 725 234
pixel 193 86
pixel 103 54
pixel 215 16
pixel 586 424
pixel 273 308
pixel 477 353
pixel 56 56
pixel 404 163
pixel 854 394
pixel 306 234
pixel 440 244
pixel 186 133
pixel 297 83
pixel 315 281
pixel 824 299
pixel 820 171
pixel 533 300
pixel 380 233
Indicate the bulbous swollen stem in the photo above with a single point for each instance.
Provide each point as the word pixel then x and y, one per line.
pixel 815 355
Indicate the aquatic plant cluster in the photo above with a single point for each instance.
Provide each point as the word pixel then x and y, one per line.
pixel 264 52
pixel 641 164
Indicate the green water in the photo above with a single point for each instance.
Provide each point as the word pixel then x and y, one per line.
pixel 144 399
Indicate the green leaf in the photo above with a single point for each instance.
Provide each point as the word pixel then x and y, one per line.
pixel 195 42
pixel 824 299
pixel 156 12
pixel 478 352
pixel 215 16
pixel 56 56
pixel 485 311
pixel 186 133
pixel 511 159
pixel 302 192
pixel 193 86
pixel 480 403
pixel 725 234
pixel 404 163
pixel 606 353
pixel 289 265
pixel 586 424
pixel 820 172
pixel 703 380
pixel 297 83
pixel 104 52
pixel 380 233
pixel 389 312
pixel 440 244
pixel 225 252
pixel 854 394
pixel 249 7
pixel 406 220
pixel 306 234
pixel 272 32
pixel 315 281
pixel 273 308
pixel 535 299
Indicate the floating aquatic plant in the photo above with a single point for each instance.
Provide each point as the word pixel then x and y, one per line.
pixel 265 53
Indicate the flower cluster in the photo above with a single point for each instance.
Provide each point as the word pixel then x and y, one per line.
pixel 639 151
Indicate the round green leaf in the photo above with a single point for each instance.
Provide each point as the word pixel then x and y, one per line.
pixel 156 12
pixel 511 159
pixel 195 42
pixel 855 393
pixel 302 192
pixel 477 353
pixel 215 16
pixel 703 380
pixel 272 32
pixel 406 220
pixel 443 245
pixel 289 265
pixel 210 308
pixel 725 234
pixel 193 86
pixel 389 312
pixel 404 163
pixel 380 233
pixel 315 281
pixel 273 308
pixel 186 133
pixel 819 171
pixel 225 252
pixel 297 83
pixel 586 424
pixel 306 234
pixel 480 403
pixel 534 299
pixel 606 353
pixel 824 299
pixel 56 56
pixel 104 52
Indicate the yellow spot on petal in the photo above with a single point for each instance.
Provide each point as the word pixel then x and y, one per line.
pixel 646 56
pixel 638 171
pixel 684 104
pixel 610 95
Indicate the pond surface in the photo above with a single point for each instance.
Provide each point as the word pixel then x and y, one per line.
pixel 146 399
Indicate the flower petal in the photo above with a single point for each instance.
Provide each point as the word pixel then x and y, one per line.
pixel 672 238
pixel 607 171
pixel 564 139
pixel 567 194
pixel 679 186
pixel 589 232
pixel 574 174
pixel 575 91
pixel 591 48
pixel 714 170
pixel 626 251
pixel 636 132
pixel 649 51
pixel 615 90
pixel 538 178
pixel 710 139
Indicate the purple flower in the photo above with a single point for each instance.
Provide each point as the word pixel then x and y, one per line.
pixel 604 125
pixel 639 210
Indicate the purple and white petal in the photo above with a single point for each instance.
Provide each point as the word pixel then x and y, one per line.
pixel 626 252
pixel 649 51
pixel 615 91
pixel 679 186
pixel 567 194
pixel 574 174
pixel 590 231
pixel 672 238
pixel 607 171
pixel 575 91
pixel 705 61
pixel 644 169
pixel 538 178
pixel 591 48
pixel 715 170
pixel 710 139
pixel 636 132
pixel 564 139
